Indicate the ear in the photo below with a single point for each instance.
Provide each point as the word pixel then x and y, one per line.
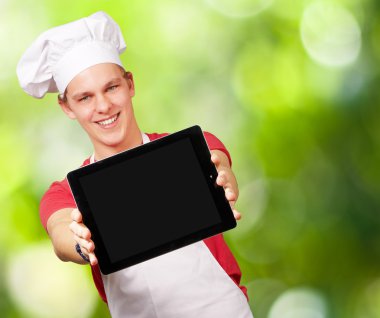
pixel 66 108
pixel 131 83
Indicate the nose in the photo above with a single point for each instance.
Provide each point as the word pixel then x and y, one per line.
pixel 103 104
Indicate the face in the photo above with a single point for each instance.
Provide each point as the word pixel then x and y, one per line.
pixel 100 98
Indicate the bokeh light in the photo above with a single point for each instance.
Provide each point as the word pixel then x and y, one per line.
pixel 276 229
pixel 299 303
pixel 262 292
pixel 42 286
pixel 252 210
pixel 330 34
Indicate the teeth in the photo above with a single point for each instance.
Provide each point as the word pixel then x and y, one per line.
pixel 108 121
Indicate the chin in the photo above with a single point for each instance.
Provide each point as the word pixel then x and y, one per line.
pixel 113 143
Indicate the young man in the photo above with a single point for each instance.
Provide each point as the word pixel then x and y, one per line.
pixel 80 60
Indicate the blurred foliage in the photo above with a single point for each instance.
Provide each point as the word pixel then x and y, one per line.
pixel 291 87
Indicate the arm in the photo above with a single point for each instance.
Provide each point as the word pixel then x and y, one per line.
pixel 65 229
pixel 226 179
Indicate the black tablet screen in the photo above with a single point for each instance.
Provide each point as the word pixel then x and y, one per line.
pixel 150 200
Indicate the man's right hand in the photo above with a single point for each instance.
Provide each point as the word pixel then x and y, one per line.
pixel 82 236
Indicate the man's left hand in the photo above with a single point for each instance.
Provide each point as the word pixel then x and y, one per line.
pixel 226 179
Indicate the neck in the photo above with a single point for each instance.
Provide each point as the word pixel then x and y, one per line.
pixel 133 140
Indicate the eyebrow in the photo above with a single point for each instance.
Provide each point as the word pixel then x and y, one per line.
pixel 80 95
pixel 112 82
pixel 109 83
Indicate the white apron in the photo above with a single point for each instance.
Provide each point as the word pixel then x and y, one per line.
pixel 185 283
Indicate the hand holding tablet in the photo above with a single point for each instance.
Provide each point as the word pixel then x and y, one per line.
pixel 82 236
pixel 151 199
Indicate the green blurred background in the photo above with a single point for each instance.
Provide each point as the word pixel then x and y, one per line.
pixel 290 87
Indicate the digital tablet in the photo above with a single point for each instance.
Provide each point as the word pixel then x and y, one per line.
pixel 151 199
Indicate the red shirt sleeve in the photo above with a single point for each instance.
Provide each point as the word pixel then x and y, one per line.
pixel 57 197
pixel 215 144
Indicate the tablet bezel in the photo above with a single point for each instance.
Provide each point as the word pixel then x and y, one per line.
pixel 209 172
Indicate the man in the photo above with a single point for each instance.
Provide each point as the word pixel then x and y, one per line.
pixel 80 60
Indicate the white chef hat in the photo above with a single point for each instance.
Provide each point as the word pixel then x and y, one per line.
pixel 59 54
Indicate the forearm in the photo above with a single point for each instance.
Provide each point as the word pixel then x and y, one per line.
pixel 62 237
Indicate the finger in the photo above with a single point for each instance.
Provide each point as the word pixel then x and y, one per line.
pixel 215 159
pixel 222 179
pixel 87 245
pixel 230 194
pixel 76 216
pixel 237 214
pixel 93 259
pixel 90 256
pixel 80 230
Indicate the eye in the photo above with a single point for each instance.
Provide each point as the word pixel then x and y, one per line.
pixel 84 98
pixel 112 88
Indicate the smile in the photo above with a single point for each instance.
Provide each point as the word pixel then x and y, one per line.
pixel 108 121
